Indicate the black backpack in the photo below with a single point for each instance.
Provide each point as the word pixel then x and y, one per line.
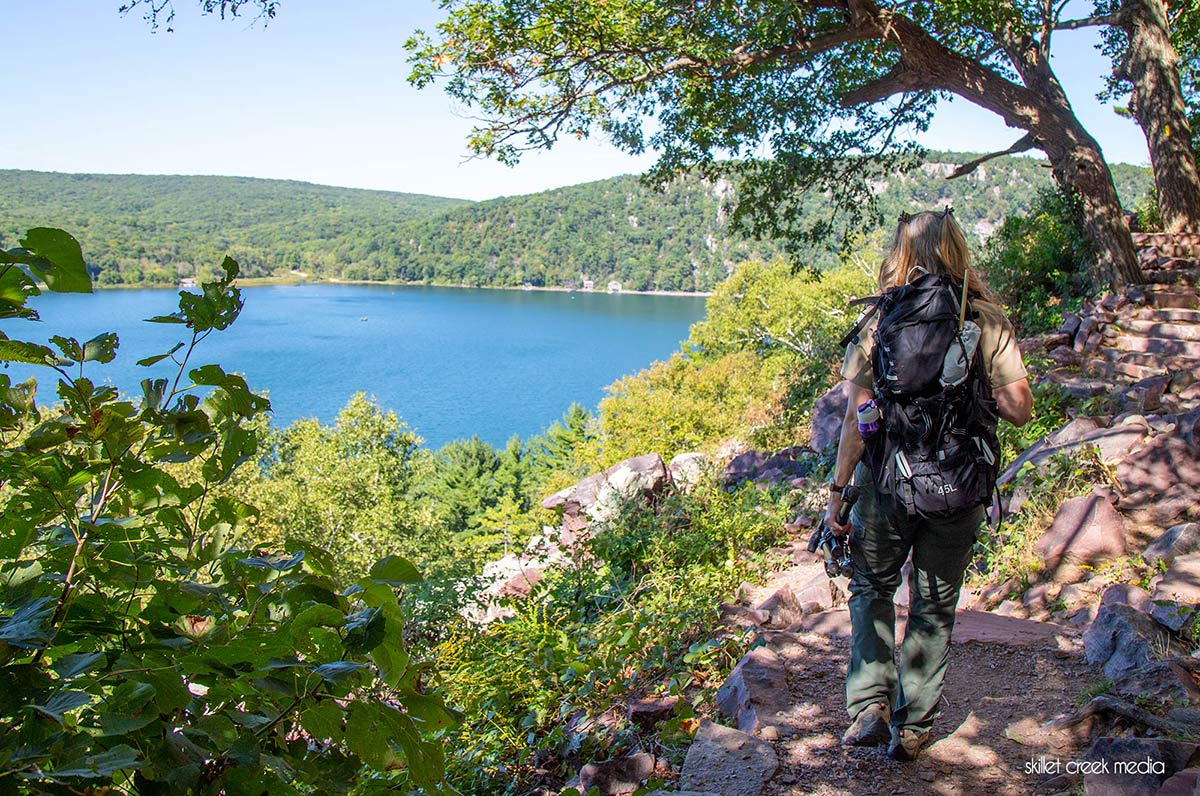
pixel 936 450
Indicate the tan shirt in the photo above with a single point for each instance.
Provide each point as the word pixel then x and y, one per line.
pixel 997 343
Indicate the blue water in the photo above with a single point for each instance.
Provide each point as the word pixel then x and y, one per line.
pixel 451 362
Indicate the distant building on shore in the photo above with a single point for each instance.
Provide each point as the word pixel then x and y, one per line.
pixel 588 284
pixel 187 282
pixel 614 286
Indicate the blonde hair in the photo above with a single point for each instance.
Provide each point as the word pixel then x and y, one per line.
pixel 930 242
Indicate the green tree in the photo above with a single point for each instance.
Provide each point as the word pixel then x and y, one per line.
pixel 463 483
pixel 824 86
pixel 345 488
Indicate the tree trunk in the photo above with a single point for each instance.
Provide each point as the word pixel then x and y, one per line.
pixel 1151 66
pixel 1078 165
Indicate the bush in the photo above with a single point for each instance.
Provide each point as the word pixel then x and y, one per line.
pixel 1038 263
pixel 140 651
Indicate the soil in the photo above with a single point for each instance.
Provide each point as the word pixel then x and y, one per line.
pixel 997 695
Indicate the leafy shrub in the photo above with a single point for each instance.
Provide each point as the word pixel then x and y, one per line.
pixel 140 652
pixel 1038 263
pixel 632 613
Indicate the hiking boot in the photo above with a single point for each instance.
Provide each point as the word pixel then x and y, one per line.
pixel 870 727
pixel 906 744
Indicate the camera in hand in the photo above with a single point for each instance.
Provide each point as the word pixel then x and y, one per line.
pixel 834 549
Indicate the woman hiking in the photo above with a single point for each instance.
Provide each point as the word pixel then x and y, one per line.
pixel 925 471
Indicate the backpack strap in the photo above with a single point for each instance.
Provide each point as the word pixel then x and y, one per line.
pixel 852 335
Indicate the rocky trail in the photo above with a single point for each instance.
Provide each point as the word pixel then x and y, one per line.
pixel 1076 678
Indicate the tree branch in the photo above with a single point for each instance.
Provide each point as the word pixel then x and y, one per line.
pixel 1087 22
pixel 1023 144
pixel 898 80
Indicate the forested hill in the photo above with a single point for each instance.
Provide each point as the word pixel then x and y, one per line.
pixel 157 229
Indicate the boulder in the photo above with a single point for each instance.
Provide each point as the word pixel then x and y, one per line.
pixel 727 761
pixel 1168 683
pixel 1176 594
pixel 648 711
pixel 1114 443
pixel 756 690
pixel 1161 480
pixel 1086 530
pixel 768 467
pixel 782 607
pixel 1182 783
pixel 1127 594
pixel 1064 355
pixel 686 469
pixel 620 775
pixel 600 493
pixel 520 584
pixel 1145 395
pixel 828 414
pixel 1120 639
pixel 738 615
pixel 1176 541
pixel 1134 766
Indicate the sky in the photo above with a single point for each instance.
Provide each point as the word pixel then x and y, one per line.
pixel 320 94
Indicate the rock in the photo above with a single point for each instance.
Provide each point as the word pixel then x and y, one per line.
pixel 727 761
pixel 1183 783
pixel 648 711
pixel 1120 640
pixel 1127 594
pixel 1176 593
pixel 600 495
pixel 1064 355
pixel 782 607
pixel 1078 386
pixel 519 585
pixel 1145 395
pixel 828 413
pixel 738 615
pixel 1070 324
pixel 1168 683
pixel 686 469
pixel 756 690
pixel 1161 480
pixel 1073 595
pixel 1114 444
pixel 820 593
pixel 1086 530
pixel 1150 762
pixel 767 467
pixel 1178 540
pixel 618 776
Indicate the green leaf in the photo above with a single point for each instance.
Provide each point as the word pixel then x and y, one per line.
pixel 63 702
pixel 27 626
pixel 148 361
pixel 338 671
pixel 29 353
pixel 96 766
pixel 101 348
pixel 367 734
pixel 59 260
pixel 69 667
pixel 395 570
pixel 323 720
pixel 280 563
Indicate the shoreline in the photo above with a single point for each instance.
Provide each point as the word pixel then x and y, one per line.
pixel 290 281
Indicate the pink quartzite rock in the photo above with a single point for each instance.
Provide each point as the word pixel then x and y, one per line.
pixel 756 690
pixel 1086 530
pixel 1127 594
pixel 640 476
pixel 1184 783
pixel 1171 757
pixel 727 761
pixel 827 415
pixel 1168 683
pixel 1120 640
pixel 648 711
pixel 1114 443
pixel 1161 480
pixel 1176 541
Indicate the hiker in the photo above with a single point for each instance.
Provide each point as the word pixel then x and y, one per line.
pixel 926 471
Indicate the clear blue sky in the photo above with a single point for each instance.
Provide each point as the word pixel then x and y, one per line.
pixel 320 95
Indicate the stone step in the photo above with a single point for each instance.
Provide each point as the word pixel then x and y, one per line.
pixel 1165 316
pixel 1167 331
pixel 1158 345
pixel 1118 370
pixel 1169 362
pixel 1162 297
pixel 1183 244
pixel 1173 276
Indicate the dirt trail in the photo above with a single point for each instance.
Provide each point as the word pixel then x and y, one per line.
pixel 1003 672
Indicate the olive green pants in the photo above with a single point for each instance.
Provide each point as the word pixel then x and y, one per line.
pixel 881 541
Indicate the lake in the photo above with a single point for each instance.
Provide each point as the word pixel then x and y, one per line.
pixel 451 362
